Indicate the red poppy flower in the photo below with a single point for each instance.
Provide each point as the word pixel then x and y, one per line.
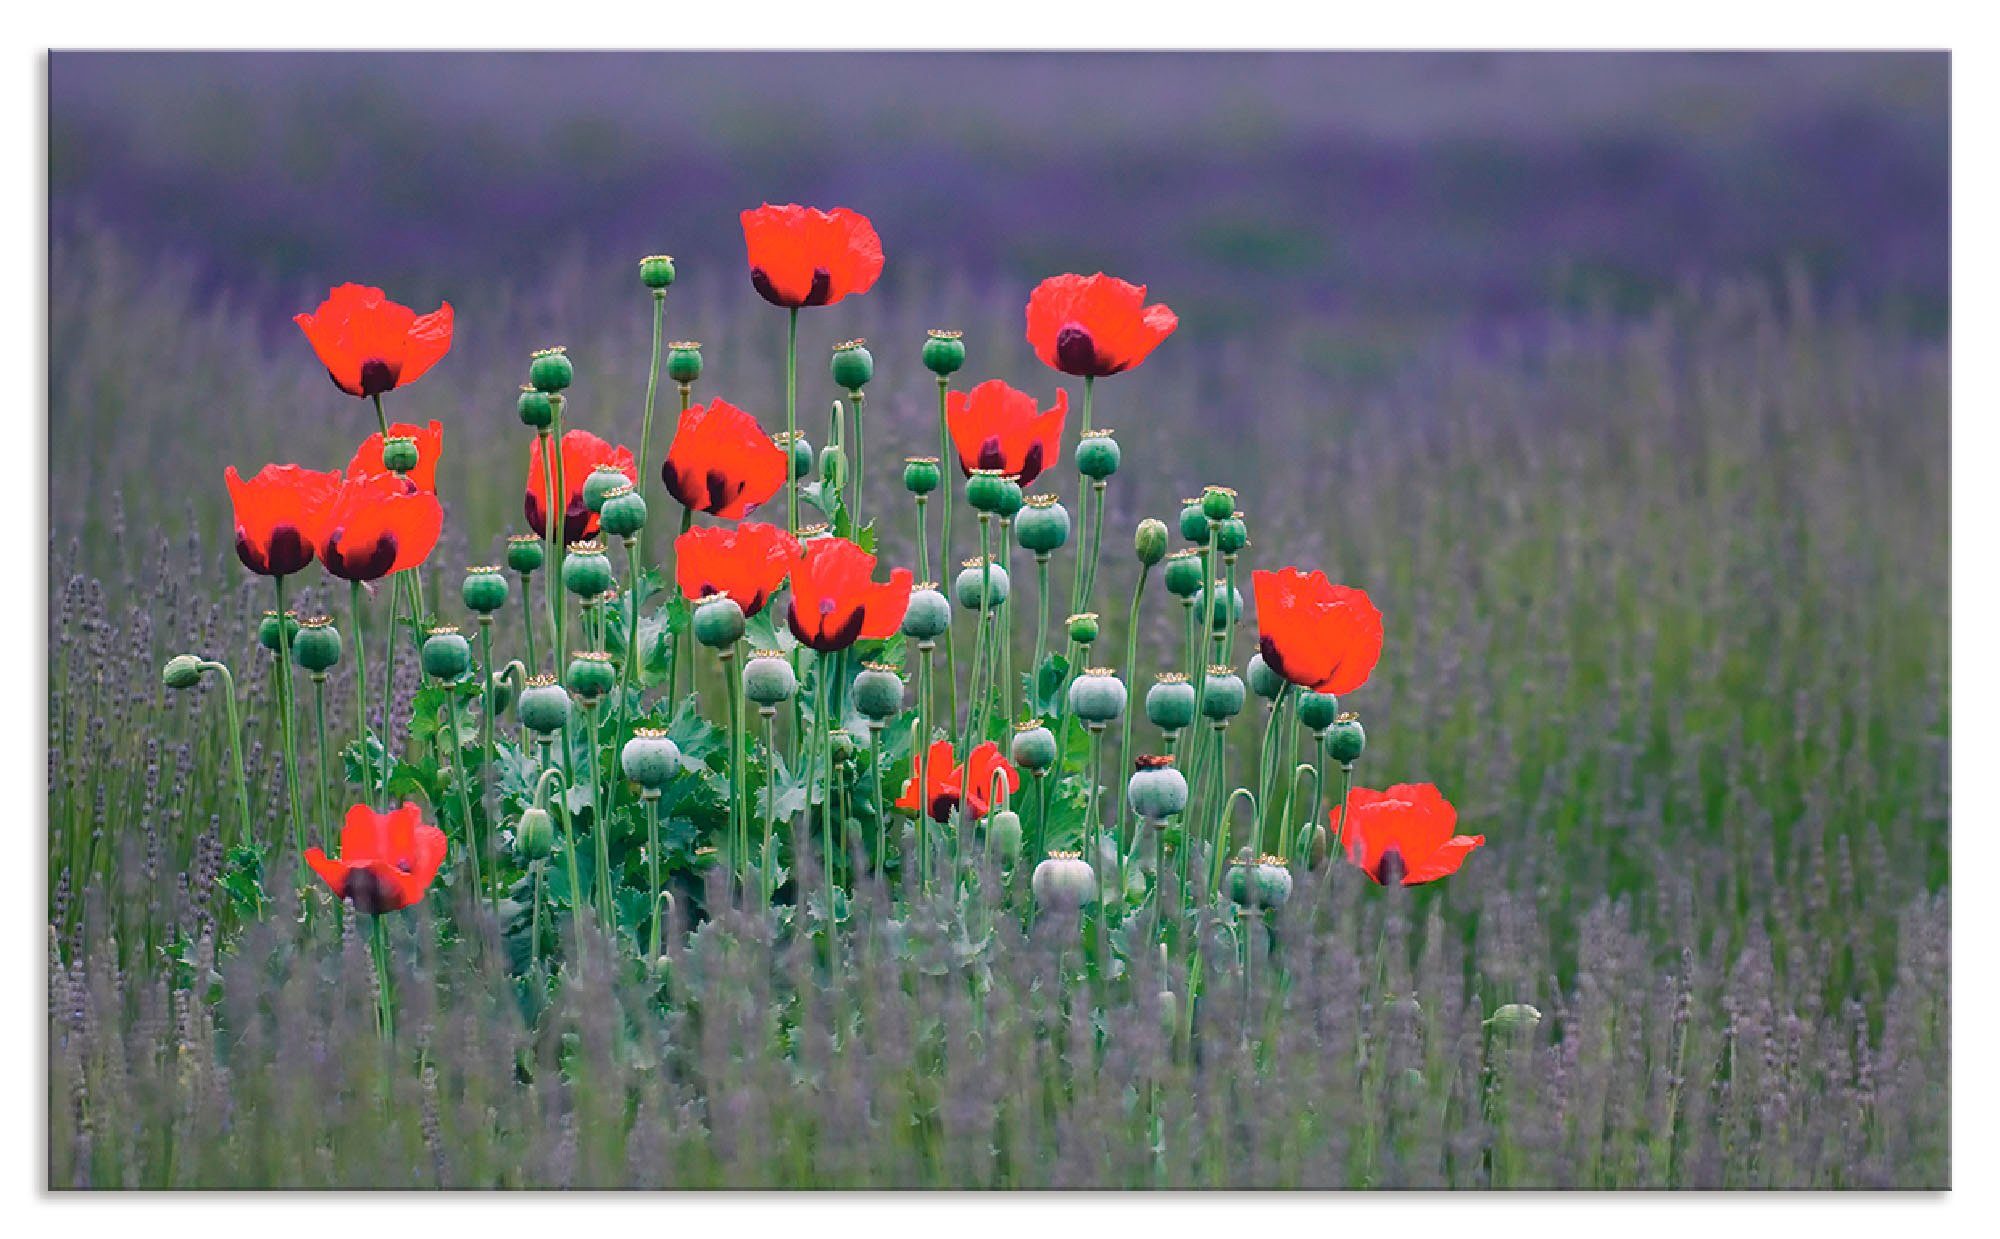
pixel 369 344
pixel 386 862
pixel 1316 634
pixel 835 599
pixel 1094 325
pixel 1405 834
pixel 380 524
pixel 430 442
pixel 803 256
pixel 946 784
pixel 582 452
pixel 722 462
pixel 996 427
pixel 747 562
pixel 280 516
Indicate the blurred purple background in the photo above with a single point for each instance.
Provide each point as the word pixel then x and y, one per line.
pixel 1406 187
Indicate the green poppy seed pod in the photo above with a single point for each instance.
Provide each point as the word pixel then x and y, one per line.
pixel 768 678
pixel 399 454
pixel 921 475
pixel 1317 711
pixel 591 675
pixel 649 758
pixel 181 671
pixel 981 585
pixel 544 705
pixel 534 834
pixel 1222 696
pixel 1011 499
pixel 1149 541
pixel 525 553
pixel 1263 681
pixel 1345 739
pixel 1082 627
pixel 852 365
pixel 1228 607
pixel 267 629
pixel 928 614
pixel 1003 831
pixel 841 742
pixel 586 570
pixel 1194 522
pixel 1097 696
pixel 1064 882
pixel 1514 1019
pixel 1170 702
pixel 984 488
pixel 317 648
pixel 1097 455
pixel 684 361
pixel 832 467
pixel 1183 573
pixel 485 589
pixel 535 408
pixel 1264 883
pixel 656 271
pixel 718 622
pixel 1156 791
pixel 446 654
pixel 1274 882
pixel 1033 748
pixel 878 692
pixel 549 370
pixel 1218 503
pixel 1043 525
pixel 624 512
pixel 1232 535
pixel 799 450
pixel 602 481
pixel 944 353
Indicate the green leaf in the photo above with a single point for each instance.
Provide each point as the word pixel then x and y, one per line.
pixel 1046 690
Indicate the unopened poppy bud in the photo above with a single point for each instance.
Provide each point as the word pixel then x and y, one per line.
pixel 549 370
pixel 944 353
pixel 928 614
pixel 1218 503
pixel 591 675
pixel 878 691
pixel 921 475
pixel 1043 525
pixel 535 408
pixel 1222 694
pixel 1514 1018
pixel 1263 681
pixel 983 489
pixel 624 512
pixel 181 671
pixel 1317 844
pixel 981 585
pixel 399 454
pixel 1228 607
pixel 1149 541
pixel 1034 747
pixel 485 589
pixel 1184 573
pixel 1011 499
pixel 1097 696
pixel 1082 628
pixel 1194 522
pixel 1097 454
pixel 841 742
pixel 1003 831
pixel 832 467
pixel 525 553
pixel 1156 791
pixel 1317 711
pixel 1345 740
pixel 1170 702
pixel 544 705
pixel 586 570
pixel 1231 535
pixel 446 654
pixel 267 629
pixel 718 622
pixel 798 450
pixel 1064 882
pixel 684 361
pixel 656 271
pixel 649 758
pixel 602 481
pixel 535 834
pixel 317 648
pixel 768 678
pixel 852 365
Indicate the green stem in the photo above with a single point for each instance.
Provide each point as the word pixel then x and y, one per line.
pixel 1082 504
pixel 739 844
pixel 1041 612
pixel 1131 686
pixel 945 457
pixel 235 744
pixel 923 543
pixel 652 798
pixel 486 743
pixel 921 761
pixel 860 456
pixel 285 724
pixel 1096 547
pixel 792 418
pixel 361 693
pixel 766 868
pixel 384 988
pixel 535 923
pixel 381 418
pixel 388 692
pixel 557 519
pixel 600 824
pixel 1009 689
pixel 528 617
pixel 823 766
pixel 652 379
pixel 631 667
pixel 456 751
pixel 319 721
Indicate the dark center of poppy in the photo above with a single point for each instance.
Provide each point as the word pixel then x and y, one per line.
pixel 1076 352
pixel 286 551
pixel 1390 869
pixel 378 376
pixel 1272 658
pixel 722 491
pixel 370 895
pixel 577 519
pixel 822 287
pixel 990 454
pixel 366 562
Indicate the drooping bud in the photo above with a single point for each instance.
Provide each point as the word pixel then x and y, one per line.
pixel 544 705
pixel 1222 694
pixel 535 834
pixel 317 648
pixel 586 570
pixel 591 675
pixel 485 589
pixel 1097 455
pixel 624 512
pixel 944 353
pixel 446 654
pixel 549 370
pixel 1064 882
pixel 1082 628
pixel 718 622
pixel 921 475
pixel 1346 739
pixel 525 553
pixel 399 454
pixel 1097 696
pixel 878 691
pixel 649 758
pixel 852 365
pixel 1034 746
pixel 768 678
pixel 981 585
pixel 1149 541
pixel 1170 702
pixel 1003 831
pixel 1156 791
pixel 656 271
pixel 1317 711
pixel 832 467
pixel 535 408
pixel 1043 525
pixel 181 671
pixel 684 361
pixel 1183 573
pixel 1263 681
pixel 928 615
